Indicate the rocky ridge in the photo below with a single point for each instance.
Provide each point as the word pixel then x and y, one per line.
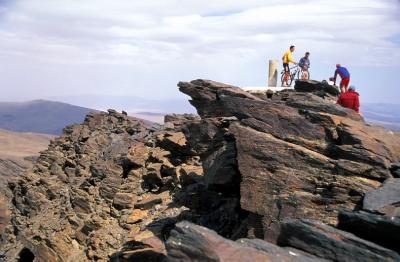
pixel 306 175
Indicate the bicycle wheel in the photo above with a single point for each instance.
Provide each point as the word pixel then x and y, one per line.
pixel 299 75
pixel 283 78
pixel 291 77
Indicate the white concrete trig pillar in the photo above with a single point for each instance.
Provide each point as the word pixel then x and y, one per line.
pixel 273 73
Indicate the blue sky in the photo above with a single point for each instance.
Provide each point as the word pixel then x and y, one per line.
pixel 57 48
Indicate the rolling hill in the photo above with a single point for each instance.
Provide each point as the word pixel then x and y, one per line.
pixel 40 116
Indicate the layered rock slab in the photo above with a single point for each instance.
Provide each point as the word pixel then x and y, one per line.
pixel 382 230
pixel 293 154
pixel 287 180
pixel 384 200
pixel 330 243
pixel 189 242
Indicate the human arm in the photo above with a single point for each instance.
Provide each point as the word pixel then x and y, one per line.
pixel 306 64
pixel 334 77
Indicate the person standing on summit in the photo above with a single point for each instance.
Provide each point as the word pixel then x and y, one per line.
pixel 286 59
pixel 344 75
pixel 304 65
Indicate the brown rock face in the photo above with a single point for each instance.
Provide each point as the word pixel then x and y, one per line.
pixel 138 154
pixel 298 155
pixel 100 185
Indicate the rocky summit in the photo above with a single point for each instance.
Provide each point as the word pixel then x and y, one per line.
pixel 294 177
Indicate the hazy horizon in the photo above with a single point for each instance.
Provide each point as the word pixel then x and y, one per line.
pixel 133 104
pixel 84 49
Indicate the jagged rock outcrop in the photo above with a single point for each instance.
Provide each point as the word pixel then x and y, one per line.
pixel 294 154
pixel 97 187
pixel 118 189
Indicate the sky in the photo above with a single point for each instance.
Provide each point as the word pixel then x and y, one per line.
pixel 123 48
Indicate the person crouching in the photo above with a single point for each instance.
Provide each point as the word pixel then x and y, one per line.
pixel 350 99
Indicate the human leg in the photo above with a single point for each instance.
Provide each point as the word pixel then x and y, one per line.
pixel 287 73
pixel 304 73
pixel 344 84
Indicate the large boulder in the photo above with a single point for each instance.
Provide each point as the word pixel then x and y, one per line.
pixel 382 230
pixel 189 242
pixel 330 243
pixel 316 86
pixel 290 155
pixel 217 151
pixel 385 200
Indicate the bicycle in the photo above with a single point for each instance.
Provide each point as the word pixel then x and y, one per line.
pixel 299 72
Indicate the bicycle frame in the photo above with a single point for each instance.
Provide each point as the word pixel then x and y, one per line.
pixel 293 71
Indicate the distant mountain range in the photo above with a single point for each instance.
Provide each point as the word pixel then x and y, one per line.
pixel 40 116
pixel 387 115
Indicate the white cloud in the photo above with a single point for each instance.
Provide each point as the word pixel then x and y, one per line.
pixel 171 39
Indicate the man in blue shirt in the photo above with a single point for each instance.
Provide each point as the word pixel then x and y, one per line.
pixel 344 75
pixel 304 64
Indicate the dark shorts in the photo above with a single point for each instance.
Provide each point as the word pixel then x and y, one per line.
pixel 286 67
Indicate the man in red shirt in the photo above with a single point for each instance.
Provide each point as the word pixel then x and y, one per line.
pixel 350 99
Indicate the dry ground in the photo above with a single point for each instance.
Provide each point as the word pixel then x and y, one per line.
pixel 17 151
